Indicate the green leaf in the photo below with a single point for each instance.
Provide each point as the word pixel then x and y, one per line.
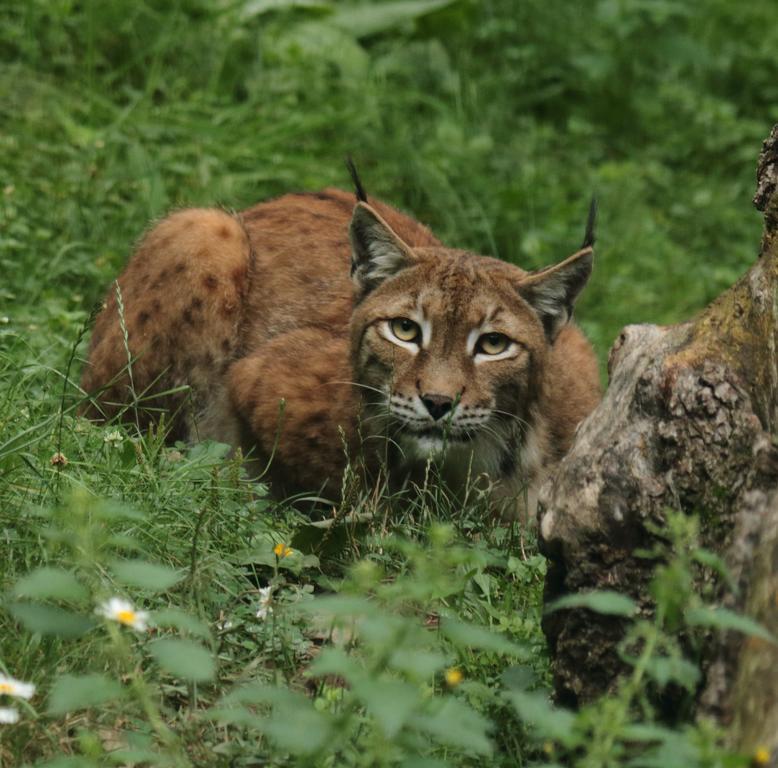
pixel 294 724
pixel 324 43
pixel 417 664
pixel 261 7
pixel 600 601
pixel 144 575
pixel 390 702
pixel 722 618
pixel 262 555
pixel 550 722
pixel 338 607
pixel 329 542
pixel 235 716
pixel 69 761
pixel 133 756
pixel 123 543
pixel 202 457
pixel 484 581
pixel 675 750
pixel 666 669
pixel 714 562
pixel 259 693
pixel 455 724
pixel 182 621
pixel 384 632
pixel 49 620
pixel 472 636
pixel 51 584
pixel 647 732
pixel 209 452
pixel 335 661
pixel 72 692
pixel 519 678
pixel 373 18
pixel 184 658
pixel 110 509
pixel 299 729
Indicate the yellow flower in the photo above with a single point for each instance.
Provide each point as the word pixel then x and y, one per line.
pixel 11 687
pixel 124 612
pixel 761 756
pixel 282 550
pixel 454 676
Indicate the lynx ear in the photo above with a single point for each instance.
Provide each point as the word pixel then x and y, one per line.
pixel 552 291
pixel 377 252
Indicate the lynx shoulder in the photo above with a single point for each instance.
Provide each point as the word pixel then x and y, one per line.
pixel 307 328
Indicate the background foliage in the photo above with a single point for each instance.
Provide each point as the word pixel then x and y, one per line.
pixel 491 121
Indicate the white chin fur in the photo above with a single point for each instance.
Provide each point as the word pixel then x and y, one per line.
pixel 482 454
pixel 422 447
pixel 429 446
pixel 417 447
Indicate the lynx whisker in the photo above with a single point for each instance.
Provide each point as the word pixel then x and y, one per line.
pixel 513 416
pixel 357 384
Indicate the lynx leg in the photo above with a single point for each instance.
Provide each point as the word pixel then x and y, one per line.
pixel 306 370
pixel 180 301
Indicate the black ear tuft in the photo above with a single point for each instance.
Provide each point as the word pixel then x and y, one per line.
pixel 359 190
pixel 591 222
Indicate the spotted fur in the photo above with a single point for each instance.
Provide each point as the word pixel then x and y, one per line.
pixel 271 330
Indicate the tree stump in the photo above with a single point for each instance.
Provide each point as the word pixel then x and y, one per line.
pixel 687 424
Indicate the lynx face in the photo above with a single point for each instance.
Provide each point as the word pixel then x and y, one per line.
pixel 448 347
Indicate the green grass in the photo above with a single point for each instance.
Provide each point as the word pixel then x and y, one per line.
pixel 493 122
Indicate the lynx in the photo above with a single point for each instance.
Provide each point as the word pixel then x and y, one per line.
pixel 313 327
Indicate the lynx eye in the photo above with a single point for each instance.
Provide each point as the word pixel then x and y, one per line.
pixel 405 329
pixel 492 344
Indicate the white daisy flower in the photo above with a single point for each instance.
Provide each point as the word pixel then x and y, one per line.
pixel 123 611
pixel 264 602
pixel 16 688
pixel 8 715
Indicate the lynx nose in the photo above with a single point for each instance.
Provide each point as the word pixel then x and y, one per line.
pixel 437 405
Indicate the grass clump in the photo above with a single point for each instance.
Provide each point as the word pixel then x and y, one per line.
pixel 413 640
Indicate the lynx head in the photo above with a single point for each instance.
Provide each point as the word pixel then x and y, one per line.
pixel 448 347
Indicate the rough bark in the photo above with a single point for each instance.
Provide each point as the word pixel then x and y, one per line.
pixel 686 423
